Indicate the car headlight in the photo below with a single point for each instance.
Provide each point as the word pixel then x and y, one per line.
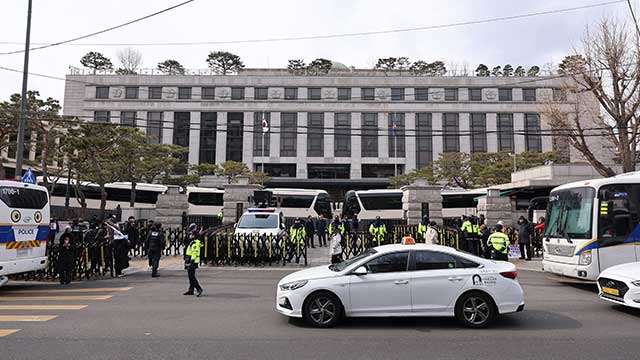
pixel 636 283
pixel 294 285
pixel 585 258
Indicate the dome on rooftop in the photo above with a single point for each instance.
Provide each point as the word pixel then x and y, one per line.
pixel 338 66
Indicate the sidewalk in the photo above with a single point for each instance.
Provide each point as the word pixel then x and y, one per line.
pixel 534 265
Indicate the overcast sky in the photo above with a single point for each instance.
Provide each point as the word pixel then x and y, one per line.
pixel 530 41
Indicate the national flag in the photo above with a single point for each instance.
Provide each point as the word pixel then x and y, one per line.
pixel 394 124
pixel 265 124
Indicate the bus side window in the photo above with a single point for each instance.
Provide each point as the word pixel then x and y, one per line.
pixel 618 213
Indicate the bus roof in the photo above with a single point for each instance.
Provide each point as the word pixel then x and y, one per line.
pixel 195 189
pixel 380 191
pixel 12 183
pixel 116 185
pixel 626 178
pixel 281 191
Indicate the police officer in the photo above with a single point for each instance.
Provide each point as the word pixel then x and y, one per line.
pixel 310 230
pixel 66 259
pixel 220 216
pixel 377 230
pixel 297 235
pixel 336 224
pixel 499 244
pixel 192 262
pixel 155 243
pixel 473 236
pixel 422 229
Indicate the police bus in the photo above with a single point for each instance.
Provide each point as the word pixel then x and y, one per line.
pixel 369 204
pixel 204 201
pixel 24 227
pixel 301 202
pixel 592 225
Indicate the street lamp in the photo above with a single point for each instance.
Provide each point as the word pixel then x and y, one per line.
pixel 514 161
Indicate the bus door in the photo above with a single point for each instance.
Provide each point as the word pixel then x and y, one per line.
pixel 618 228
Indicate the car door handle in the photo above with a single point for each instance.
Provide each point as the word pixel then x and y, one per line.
pixel 401 282
pixel 455 278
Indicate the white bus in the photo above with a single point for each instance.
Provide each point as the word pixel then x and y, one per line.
pixel 204 201
pixel 301 202
pixel 371 203
pixel 24 228
pixel 592 225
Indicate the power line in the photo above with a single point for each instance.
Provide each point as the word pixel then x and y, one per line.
pixel 355 34
pixel 633 16
pixel 101 31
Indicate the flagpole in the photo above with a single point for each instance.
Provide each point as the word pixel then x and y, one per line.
pixel 263 171
pixel 395 147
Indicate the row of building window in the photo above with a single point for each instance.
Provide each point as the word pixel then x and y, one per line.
pixel 330 171
pixel 367 94
pixel 342 132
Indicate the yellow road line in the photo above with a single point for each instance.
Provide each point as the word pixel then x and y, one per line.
pixel 5 332
pixel 27 318
pixel 56 298
pixel 42 307
pixel 47 291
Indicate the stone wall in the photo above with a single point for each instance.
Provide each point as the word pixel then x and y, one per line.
pixel 170 207
pixel 495 208
pixel 415 195
pixel 235 194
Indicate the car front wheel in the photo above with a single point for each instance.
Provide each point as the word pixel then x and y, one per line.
pixel 475 310
pixel 322 310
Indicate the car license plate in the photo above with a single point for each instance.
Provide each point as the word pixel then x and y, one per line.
pixel 22 253
pixel 610 291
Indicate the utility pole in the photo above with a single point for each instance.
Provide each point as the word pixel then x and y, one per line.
pixel 23 99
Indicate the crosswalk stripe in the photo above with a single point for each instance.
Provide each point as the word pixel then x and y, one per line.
pixel 56 298
pixel 47 291
pixel 26 318
pixel 42 307
pixel 6 332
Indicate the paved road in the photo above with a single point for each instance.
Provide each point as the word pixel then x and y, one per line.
pixel 137 317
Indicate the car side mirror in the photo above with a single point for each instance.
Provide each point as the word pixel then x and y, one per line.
pixel 360 271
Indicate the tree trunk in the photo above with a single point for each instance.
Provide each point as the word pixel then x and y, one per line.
pixel 103 200
pixel 3 174
pixel 132 201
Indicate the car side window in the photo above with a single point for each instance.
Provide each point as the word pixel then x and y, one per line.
pixel 393 262
pixel 433 260
pixel 462 263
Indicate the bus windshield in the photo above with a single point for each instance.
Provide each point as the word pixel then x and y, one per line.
pixel 258 221
pixel 21 198
pixel 569 213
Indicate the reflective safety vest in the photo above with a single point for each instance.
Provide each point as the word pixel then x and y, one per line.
pixel 193 251
pixel 220 215
pixel 340 227
pixel 470 229
pixel 378 232
pixel 499 242
pixel 297 235
pixel 422 231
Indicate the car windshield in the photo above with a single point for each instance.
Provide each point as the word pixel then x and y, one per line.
pixel 569 213
pixel 345 264
pixel 258 221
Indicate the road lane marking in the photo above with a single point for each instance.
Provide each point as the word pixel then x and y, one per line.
pixel 56 298
pixel 6 332
pixel 47 291
pixel 26 318
pixel 42 307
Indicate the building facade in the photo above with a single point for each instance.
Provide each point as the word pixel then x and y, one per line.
pixel 350 128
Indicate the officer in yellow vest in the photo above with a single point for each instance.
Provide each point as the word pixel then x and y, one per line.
pixel 336 224
pixel 422 229
pixel 297 234
pixel 193 260
pixel 377 230
pixel 220 216
pixel 499 244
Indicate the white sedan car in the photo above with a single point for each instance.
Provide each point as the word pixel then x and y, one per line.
pixel 403 280
pixel 621 284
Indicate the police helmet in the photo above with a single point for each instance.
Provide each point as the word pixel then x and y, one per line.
pixel 498 226
pixel 193 226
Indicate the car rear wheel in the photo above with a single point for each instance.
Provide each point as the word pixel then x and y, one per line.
pixel 322 310
pixel 475 310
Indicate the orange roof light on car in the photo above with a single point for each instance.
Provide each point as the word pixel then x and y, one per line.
pixel 408 240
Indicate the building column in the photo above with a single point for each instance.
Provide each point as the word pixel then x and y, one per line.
pixel 518 128
pixel 356 145
pixel 301 146
pixel 547 141
pixel 115 117
pixel 437 137
pixel 221 138
pixel 383 136
pixel 167 127
pixel 141 121
pixel 329 139
pixel 247 139
pixel 465 140
pixel 410 142
pixel 274 145
pixel 492 136
pixel 194 138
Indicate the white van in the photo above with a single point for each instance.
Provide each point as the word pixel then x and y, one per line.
pixel 261 221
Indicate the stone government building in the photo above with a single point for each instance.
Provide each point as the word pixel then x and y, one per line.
pixel 330 131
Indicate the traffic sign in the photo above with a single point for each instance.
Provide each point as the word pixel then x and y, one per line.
pixel 28 177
